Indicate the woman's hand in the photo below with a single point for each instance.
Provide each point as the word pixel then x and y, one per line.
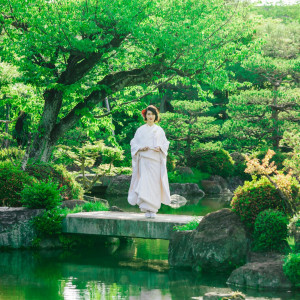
pixel 144 149
pixel 157 149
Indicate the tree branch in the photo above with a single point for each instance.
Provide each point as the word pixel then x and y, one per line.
pixel 109 85
pixel 79 65
pixel 284 106
pixel 135 100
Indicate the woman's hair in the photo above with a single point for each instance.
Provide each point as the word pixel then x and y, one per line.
pixel 154 110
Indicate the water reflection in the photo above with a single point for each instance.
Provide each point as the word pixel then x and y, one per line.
pixel 137 270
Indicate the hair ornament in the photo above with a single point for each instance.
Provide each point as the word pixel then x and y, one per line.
pixel 144 113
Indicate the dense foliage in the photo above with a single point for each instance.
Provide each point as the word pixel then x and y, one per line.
pixel 84 54
pixel 11 153
pixel 270 231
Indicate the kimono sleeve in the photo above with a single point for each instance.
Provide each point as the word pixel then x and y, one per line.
pixel 134 143
pixel 164 143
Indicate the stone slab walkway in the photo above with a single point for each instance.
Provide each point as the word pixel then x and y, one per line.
pixel 124 224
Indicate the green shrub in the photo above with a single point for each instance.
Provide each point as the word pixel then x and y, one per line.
pixel 213 161
pixel 49 223
pixel 89 206
pixel 58 174
pixel 41 195
pixel 12 181
pixel 270 231
pixel 254 197
pixel 189 226
pixel 291 268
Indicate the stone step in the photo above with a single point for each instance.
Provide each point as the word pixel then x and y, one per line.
pixel 124 224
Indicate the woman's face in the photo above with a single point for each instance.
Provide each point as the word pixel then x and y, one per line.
pixel 150 116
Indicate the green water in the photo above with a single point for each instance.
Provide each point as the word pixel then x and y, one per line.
pixel 136 270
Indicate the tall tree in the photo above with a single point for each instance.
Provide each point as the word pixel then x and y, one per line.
pixel 78 52
pixel 260 117
pixel 188 125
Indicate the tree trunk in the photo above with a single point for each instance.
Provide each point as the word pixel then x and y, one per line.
pixel 6 142
pixel 43 140
pixel 274 116
pixel 108 109
pixel 21 132
pixel 164 98
pixel 189 143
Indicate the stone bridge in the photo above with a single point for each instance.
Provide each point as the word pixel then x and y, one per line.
pixel 121 224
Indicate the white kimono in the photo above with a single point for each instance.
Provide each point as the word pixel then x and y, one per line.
pixel 149 185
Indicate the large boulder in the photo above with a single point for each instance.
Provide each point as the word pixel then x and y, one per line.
pixel 181 250
pixel 227 296
pixel 264 271
pixel 220 180
pixel 95 199
pixel 234 182
pixel 184 170
pixel 186 189
pixel 219 243
pixel 211 187
pixel 177 201
pixel 72 203
pixel 118 185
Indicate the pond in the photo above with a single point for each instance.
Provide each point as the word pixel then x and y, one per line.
pixel 134 270
pixel 137 270
pixel 195 206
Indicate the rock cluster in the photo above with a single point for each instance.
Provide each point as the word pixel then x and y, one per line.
pixel 186 189
pixel 263 271
pixel 227 296
pixel 219 243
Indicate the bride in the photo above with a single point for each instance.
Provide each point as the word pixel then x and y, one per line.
pixel 149 185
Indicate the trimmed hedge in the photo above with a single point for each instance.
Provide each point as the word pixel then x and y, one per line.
pixel 213 161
